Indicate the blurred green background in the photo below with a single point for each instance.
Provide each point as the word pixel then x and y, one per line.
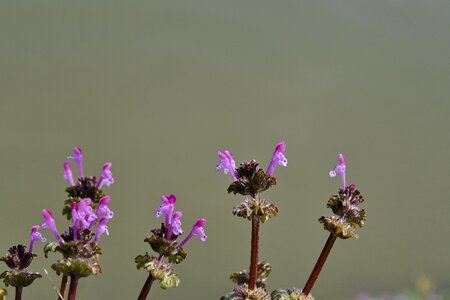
pixel 157 87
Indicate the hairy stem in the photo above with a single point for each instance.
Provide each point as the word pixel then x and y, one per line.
pixel 62 288
pixel 254 254
pixel 73 287
pixel 18 293
pixel 319 264
pixel 146 288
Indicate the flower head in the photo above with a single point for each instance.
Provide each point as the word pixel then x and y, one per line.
pixel 166 208
pixel 101 229
pixel 106 176
pixel 197 229
pixel 50 224
pixel 35 236
pixel 68 173
pixel 78 158
pixel 227 163
pixel 339 169
pixel 278 158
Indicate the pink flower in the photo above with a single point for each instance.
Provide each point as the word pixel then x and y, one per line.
pixel 197 229
pixel 101 229
pixel 227 163
pixel 166 208
pixel 175 226
pixel 78 158
pixel 68 173
pixel 339 169
pixel 50 224
pixel 106 176
pixel 35 236
pixel 278 158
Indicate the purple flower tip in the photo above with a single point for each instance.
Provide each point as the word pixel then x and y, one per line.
pixel 227 163
pixel 77 151
pixel 171 199
pixel 104 201
pixel 200 223
pixel 47 214
pixel 278 158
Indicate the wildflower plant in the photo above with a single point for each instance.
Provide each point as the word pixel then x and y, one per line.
pixel 346 216
pixel 18 259
pixel 169 250
pixel 87 209
pixel 250 180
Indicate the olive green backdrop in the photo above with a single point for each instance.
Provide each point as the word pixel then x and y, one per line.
pixel 157 87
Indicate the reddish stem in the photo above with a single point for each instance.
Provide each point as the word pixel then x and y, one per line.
pixel 254 254
pixel 319 264
pixel 62 288
pixel 146 288
pixel 73 287
pixel 18 293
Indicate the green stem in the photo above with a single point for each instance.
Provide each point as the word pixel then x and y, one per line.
pixel 319 264
pixel 146 288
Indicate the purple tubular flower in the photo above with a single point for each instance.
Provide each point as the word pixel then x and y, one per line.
pixel 50 224
pixel 175 226
pixel 75 220
pixel 166 208
pixel 68 173
pixel 197 229
pixel 339 169
pixel 78 158
pixel 85 213
pixel 278 158
pixel 106 177
pixel 103 209
pixel 35 236
pixel 101 229
pixel 227 164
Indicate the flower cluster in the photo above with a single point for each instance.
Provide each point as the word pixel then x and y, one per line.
pixel 250 180
pixel 18 259
pixel 345 207
pixel 164 241
pixel 86 207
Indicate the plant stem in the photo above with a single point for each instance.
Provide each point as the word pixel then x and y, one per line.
pixel 146 288
pixel 18 293
pixel 319 264
pixel 62 288
pixel 254 254
pixel 73 287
